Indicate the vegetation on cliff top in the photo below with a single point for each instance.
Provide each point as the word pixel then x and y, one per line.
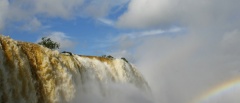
pixel 47 42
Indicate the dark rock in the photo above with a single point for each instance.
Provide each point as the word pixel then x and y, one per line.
pixel 67 52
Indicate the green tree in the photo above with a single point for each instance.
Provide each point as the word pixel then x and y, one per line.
pixel 47 42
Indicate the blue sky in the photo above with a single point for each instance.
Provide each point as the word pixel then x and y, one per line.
pixel 89 34
pixel 182 47
pixel 91 28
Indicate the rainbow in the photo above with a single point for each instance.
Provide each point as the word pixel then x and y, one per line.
pixel 229 86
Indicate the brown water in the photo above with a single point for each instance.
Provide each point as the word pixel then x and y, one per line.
pixel 30 73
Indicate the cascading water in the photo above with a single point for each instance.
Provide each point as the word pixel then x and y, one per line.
pixel 30 73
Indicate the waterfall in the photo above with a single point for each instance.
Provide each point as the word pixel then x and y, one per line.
pixel 30 73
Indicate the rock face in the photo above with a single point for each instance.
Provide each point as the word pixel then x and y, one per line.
pixel 30 73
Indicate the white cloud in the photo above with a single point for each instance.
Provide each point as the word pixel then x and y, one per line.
pixel 3 12
pixel 98 8
pixel 58 8
pixel 125 44
pixel 152 32
pixel 176 29
pixel 66 44
pixel 143 13
pixel 231 41
pixel 101 8
pixel 25 11
pixel 106 21
pixel 149 13
pixel 33 25
pixel 146 33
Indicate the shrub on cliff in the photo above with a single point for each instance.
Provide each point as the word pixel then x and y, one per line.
pixel 47 42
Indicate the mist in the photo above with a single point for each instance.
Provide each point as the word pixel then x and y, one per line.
pixel 182 66
pixel 111 93
pixel 180 69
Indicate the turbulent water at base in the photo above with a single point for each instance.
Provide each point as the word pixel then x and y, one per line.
pixel 30 73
